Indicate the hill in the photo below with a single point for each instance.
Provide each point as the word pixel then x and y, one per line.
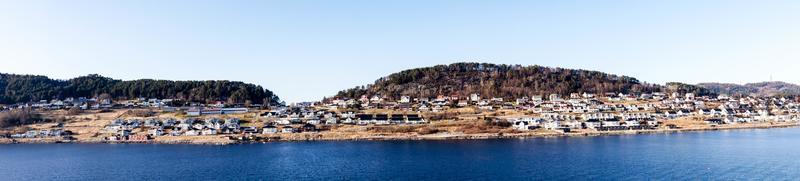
pixel 26 88
pixel 754 89
pixel 509 81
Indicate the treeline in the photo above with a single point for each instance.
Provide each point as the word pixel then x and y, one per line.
pixel 19 117
pixel 780 89
pixel 26 88
pixel 509 81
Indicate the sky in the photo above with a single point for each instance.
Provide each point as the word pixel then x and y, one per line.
pixel 305 50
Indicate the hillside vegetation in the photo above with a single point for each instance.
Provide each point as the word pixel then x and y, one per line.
pixel 754 89
pixel 25 88
pixel 493 80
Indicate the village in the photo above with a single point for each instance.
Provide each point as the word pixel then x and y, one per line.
pixel 157 121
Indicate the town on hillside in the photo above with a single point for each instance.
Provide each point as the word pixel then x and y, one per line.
pixel 373 117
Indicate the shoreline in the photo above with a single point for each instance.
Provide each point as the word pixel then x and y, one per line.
pixel 316 137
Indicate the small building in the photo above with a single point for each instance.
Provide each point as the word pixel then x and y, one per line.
pixel 250 130
pixel 269 129
pixel 714 121
pixel 309 128
pixel 287 129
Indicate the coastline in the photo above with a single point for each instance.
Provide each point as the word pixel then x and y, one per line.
pixel 322 136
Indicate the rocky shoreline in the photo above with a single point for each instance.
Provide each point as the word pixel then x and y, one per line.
pixel 238 139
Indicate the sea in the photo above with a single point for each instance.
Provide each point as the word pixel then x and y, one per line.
pixel 747 154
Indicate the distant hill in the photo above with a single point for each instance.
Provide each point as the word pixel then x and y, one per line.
pixel 25 88
pixel 754 89
pixel 493 80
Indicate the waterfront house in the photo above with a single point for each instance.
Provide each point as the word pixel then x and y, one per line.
pixel 521 125
pixel 191 133
pixel 703 112
pixel 152 123
pixel 549 124
pixel 414 119
pixel 31 134
pixel 313 121
pixel 198 126
pixel 123 133
pixel 574 124
pixel 714 121
pixel 169 123
pixel 397 119
pixel 631 122
pixel 610 122
pixel 670 114
pixel 526 123
pixel 155 132
pixel 269 129
pixel 309 128
pixel 382 119
pixel 364 119
pixel 209 131
pixel 287 129
pixel 250 130
pixel 592 123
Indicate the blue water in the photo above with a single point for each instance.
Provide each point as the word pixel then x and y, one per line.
pixel 772 154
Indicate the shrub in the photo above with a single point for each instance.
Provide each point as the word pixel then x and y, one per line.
pixel 392 129
pixel 427 130
pixel 19 117
pixel 74 111
pixel 141 113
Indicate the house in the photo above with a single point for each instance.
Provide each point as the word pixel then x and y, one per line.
pixel 610 122
pixel 683 112
pixel 592 123
pixel 649 122
pixel 152 123
pixel 191 133
pixel 213 123
pixel 331 120
pixel 714 121
pixel 123 133
pixel 287 129
pixel 521 125
pixel 364 119
pixel 526 123
pixel 270 114
pixel 193 112
pixel 31 134
pixel 381 119
pixel 549 124
pixel 309 128
pixel 198 126
pixel 671 114
pixel 250 130
pixel 703 112
pixel 208 132
pixel 573 124
pixel 155 132
pixel 474 97
pixel 313 121
pixel 414 119
pixel 554 97
pixel 269 129
pixel 631 122
pixel 169 123
pixel 397 119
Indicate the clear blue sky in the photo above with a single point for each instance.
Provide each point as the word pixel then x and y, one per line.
pixel 304 50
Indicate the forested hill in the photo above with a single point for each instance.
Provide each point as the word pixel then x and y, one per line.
pixel 754 89
pixel 25 88
pixel 509 81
